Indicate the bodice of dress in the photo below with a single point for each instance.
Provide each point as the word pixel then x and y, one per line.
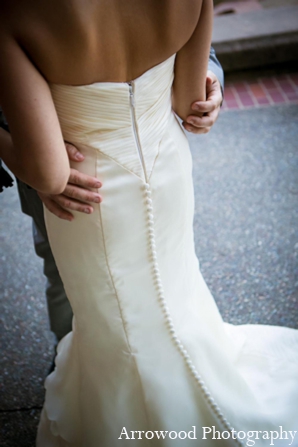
pixel 134 114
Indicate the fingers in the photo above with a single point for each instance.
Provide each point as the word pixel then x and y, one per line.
pixel 194 129
pixel 213 96
pixel 81 194
pixel 212 76
pixel 55 208
pixel 67 203
pixel 209 81
pixel 214 91
pixel 201 125
pixel 204 121
pixel 83 180
pixel 73 153
pixel 205 106
pixel 77 196
pixel 208 110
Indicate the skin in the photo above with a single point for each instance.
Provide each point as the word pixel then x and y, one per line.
pixel 77 43
pixel 78 195
pixel 81 198
pixel 210 108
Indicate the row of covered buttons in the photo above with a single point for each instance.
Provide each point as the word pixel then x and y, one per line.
pixel 168 318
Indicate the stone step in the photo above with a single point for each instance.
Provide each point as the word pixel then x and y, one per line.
pixel 256 38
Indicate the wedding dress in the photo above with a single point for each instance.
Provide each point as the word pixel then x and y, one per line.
pixel 149 351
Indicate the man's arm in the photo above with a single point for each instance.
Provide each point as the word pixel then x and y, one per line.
pixel 214 98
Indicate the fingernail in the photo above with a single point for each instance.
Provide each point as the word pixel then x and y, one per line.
pixel 87 210
pixel 97 199
pixel 98 184
pixel 79 156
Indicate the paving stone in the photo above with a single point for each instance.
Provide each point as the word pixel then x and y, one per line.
pixel 18 429
pixel 25 340
pixel 246 230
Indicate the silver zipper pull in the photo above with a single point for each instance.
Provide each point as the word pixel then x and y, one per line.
pixel 132 99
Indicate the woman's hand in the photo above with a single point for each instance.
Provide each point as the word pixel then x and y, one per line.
pixel 77 195
pixel 210 107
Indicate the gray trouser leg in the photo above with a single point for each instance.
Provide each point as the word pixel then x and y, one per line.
pixel 59 309
pixel 60 312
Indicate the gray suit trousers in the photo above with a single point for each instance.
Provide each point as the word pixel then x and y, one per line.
pixel 59 309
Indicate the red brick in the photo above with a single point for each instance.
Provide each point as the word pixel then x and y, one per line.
pixel 257 90
pixel 286 86
pixel 245 95
pixel 247 101
pixel 240 86
pixel 263 101
pixel 292 97
pixel 232 104
pixel 268 83
pixel 277 97
pixel 228 93
pixel 294 78
pixel 261 92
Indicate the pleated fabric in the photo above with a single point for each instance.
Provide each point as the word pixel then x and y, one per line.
pixel 149 350
pixel 86 115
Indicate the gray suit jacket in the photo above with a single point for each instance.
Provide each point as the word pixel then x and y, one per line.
pixel 216 68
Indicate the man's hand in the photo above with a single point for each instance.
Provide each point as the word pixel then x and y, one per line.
pixel 210 108
pixel 77 195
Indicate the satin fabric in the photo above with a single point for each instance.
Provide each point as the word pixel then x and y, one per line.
pixel 145 325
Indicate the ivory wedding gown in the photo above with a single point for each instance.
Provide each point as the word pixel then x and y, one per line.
pixel 149 350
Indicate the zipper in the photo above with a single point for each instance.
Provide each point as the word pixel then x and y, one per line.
pixel 134 126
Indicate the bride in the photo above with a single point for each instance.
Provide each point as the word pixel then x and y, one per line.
pixel 149 360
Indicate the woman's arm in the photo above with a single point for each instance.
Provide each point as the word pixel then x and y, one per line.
pixel 37 154
pixel 192 63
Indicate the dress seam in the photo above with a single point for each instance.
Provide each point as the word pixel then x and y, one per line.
pixel 120 309
pixel 155 160
pixel 117 162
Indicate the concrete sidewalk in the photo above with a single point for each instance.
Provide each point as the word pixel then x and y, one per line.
pixel 246 234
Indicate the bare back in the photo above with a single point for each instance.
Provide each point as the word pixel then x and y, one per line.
pixel 84 41
pixel 79 42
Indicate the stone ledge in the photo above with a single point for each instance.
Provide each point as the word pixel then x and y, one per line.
pixel 257 38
